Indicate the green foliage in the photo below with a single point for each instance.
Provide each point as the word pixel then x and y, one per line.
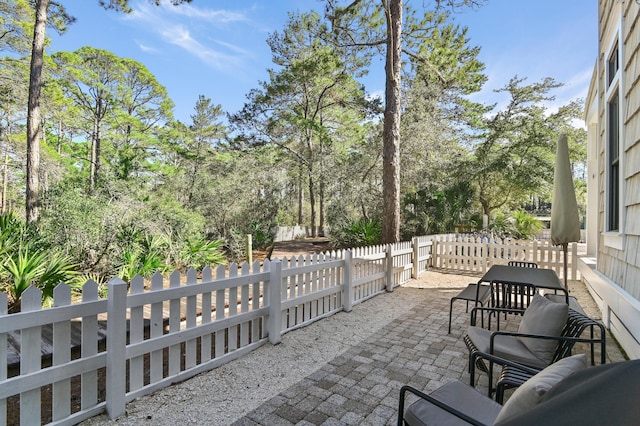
pixel 357 233
pixel 262 234
pixel 436 211
pixel 25 260
pixel 519 224
pixel 500 225
pixel 525 226
pixel 515 150
pixel 143 254
pixel 81 279
pixel 198 253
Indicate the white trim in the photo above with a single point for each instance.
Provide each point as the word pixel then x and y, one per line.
pixel 615 39
pixel 620 310
pixel 613 240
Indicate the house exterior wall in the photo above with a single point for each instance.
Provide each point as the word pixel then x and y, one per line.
pixel 614 279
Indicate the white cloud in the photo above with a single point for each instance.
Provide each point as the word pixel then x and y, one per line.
pixel 189 28
pixel 180 36
pixel 147 49
pixel 209 15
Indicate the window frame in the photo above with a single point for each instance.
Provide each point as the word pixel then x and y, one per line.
pixel 613 203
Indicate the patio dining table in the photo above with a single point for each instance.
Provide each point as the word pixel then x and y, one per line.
pixel 541 278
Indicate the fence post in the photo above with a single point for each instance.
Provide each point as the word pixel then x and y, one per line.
pixel 389 268
pixel 116 347
pixel 348 281
pixel 415 262
pixel 275 302
pixel 574 261
pixel 249 249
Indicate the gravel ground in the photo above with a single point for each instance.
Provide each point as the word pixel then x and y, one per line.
pixel 225 394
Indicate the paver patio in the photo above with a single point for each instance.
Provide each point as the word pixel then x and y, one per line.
pixel 361 385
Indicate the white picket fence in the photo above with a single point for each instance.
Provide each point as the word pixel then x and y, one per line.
pixel 170 329
pixel 477 254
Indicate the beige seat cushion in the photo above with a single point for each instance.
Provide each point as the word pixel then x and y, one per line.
pixel 529 394
pixel 543 317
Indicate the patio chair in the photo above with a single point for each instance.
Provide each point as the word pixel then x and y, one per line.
pixel 547 333
pixel 561 394
pixel 511 295
pixel 474 292
pixel 522 264
pixel 513 377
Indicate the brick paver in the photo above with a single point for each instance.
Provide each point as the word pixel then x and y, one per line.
pixel 361 386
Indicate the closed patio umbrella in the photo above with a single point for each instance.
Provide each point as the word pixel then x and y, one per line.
pixel 565 220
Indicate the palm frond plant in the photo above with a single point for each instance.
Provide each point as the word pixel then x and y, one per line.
pixel 525 225
pixel 198 253
pixel 28 266
pixel 81 279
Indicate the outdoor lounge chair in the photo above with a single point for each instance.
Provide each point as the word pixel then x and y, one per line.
pixel 474 292
pixel 547 333
pixel 561 394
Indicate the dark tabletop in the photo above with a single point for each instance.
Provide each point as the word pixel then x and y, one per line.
pixel 541 278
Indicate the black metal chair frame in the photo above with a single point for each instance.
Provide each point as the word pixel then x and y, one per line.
pixel 408 389
pixel 522 264
pixel 474 292
pixel 511 295
pixel 511 377
pixel 570 335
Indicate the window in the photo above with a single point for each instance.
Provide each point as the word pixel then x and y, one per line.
pixel 613 140
pixel 613 65
pixel 614 164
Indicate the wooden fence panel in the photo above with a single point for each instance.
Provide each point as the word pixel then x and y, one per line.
pixel 175 314
pixel 233 309
pixel 136 335
pixel 61 394
pixel 156 331
pixel 30 358
pixel 191 318
pixel 206 316
pixel 244 307
pixel 89 347
pixel 220 314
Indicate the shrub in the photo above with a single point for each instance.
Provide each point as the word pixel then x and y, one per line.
pixel 525 225
pixel 357 233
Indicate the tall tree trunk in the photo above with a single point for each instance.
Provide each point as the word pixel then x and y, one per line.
pixel 391 132
pixel 95 153
pixel 321 208
pixel 33 112
pixel 60 137
pixel 300 196
pixel 312 202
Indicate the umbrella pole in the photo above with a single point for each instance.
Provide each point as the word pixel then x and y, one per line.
pixel 566 279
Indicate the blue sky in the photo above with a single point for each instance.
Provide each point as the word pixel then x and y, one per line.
pixel 218 48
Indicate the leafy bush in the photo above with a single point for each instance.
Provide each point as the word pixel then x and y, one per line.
pixel 27 265
pixel 525 225
pixel 198 253
pixel 433 211
pixel 262 234
pixel 358 233
pixel 519 224
pixel 144 254
pixel 500 225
